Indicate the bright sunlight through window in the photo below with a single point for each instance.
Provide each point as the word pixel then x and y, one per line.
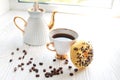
pixel 85 3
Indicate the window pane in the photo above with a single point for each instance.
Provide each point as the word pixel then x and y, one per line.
pixel 92 3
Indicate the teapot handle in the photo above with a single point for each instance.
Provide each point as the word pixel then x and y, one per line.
pixel 25 23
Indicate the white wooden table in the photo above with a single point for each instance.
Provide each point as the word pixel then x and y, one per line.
pixel 102 31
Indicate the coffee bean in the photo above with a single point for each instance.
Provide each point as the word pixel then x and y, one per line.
pixel 15 69
pixel 31 58
pixel 60 68
pixel 75 70
pixel 36 70
pixel 54 60
pixel 10 60
pixel 23 57
pixel 69 67
pixel 66 62
pixel 37 75
pixel 50 67
pixel 17 49
pixel 40 63
pixel 30 62
pixel 71 74
pixel 27 63
pixel 25 52
pixel 61 72
pixel 22 69
pixel 57 73
pixel 51 75
pixel 19 65
pixel 19 58
pixel 30 70
pixel 22 64
pixel 54 69
pixel 12 53
pixel 34 65
pixel 33 68
pixel 44 70
pixel 47 74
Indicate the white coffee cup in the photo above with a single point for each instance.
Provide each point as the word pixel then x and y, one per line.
pixel 62 39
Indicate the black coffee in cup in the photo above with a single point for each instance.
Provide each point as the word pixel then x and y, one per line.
pixel 63 36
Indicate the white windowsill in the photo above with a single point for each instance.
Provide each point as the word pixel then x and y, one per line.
pixel 102 30
pixel 65 19
pixel 15 5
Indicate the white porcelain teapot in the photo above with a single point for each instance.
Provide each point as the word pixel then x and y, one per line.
pixel 36 31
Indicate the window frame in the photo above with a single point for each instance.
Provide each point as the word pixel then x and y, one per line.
pixel 16 5
pixel 111 4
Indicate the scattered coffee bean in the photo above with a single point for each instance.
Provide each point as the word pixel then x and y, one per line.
pixel 22 69
pixel 19 58
pixel 50 67
pixel 53 72
pixel 51 75
pixel 30 70
pixel 19 65
pixel 54 60
pixel 25 52
pixel 10 60
pixel 15 69
pixel 54 69
pixel 27 63
pixel 12 53
pixel 17 49
pixel 23 57
pixel 71 74
pixel 66 61
pixel 37 75
pixel 36 70
pixel 31 58
pixel 33 68
pixel 44 70
pixel 34 65
pixel 60 68
pixel 30 62
pixel 40 63
pixel 75 70
pixel 61 72
pixel 22 64
pixel 69 67
pixel 57 73
pixel 47 74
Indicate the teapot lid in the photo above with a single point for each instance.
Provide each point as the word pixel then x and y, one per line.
pixel 36 8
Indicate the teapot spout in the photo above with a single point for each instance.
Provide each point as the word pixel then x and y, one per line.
pixel 52 21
